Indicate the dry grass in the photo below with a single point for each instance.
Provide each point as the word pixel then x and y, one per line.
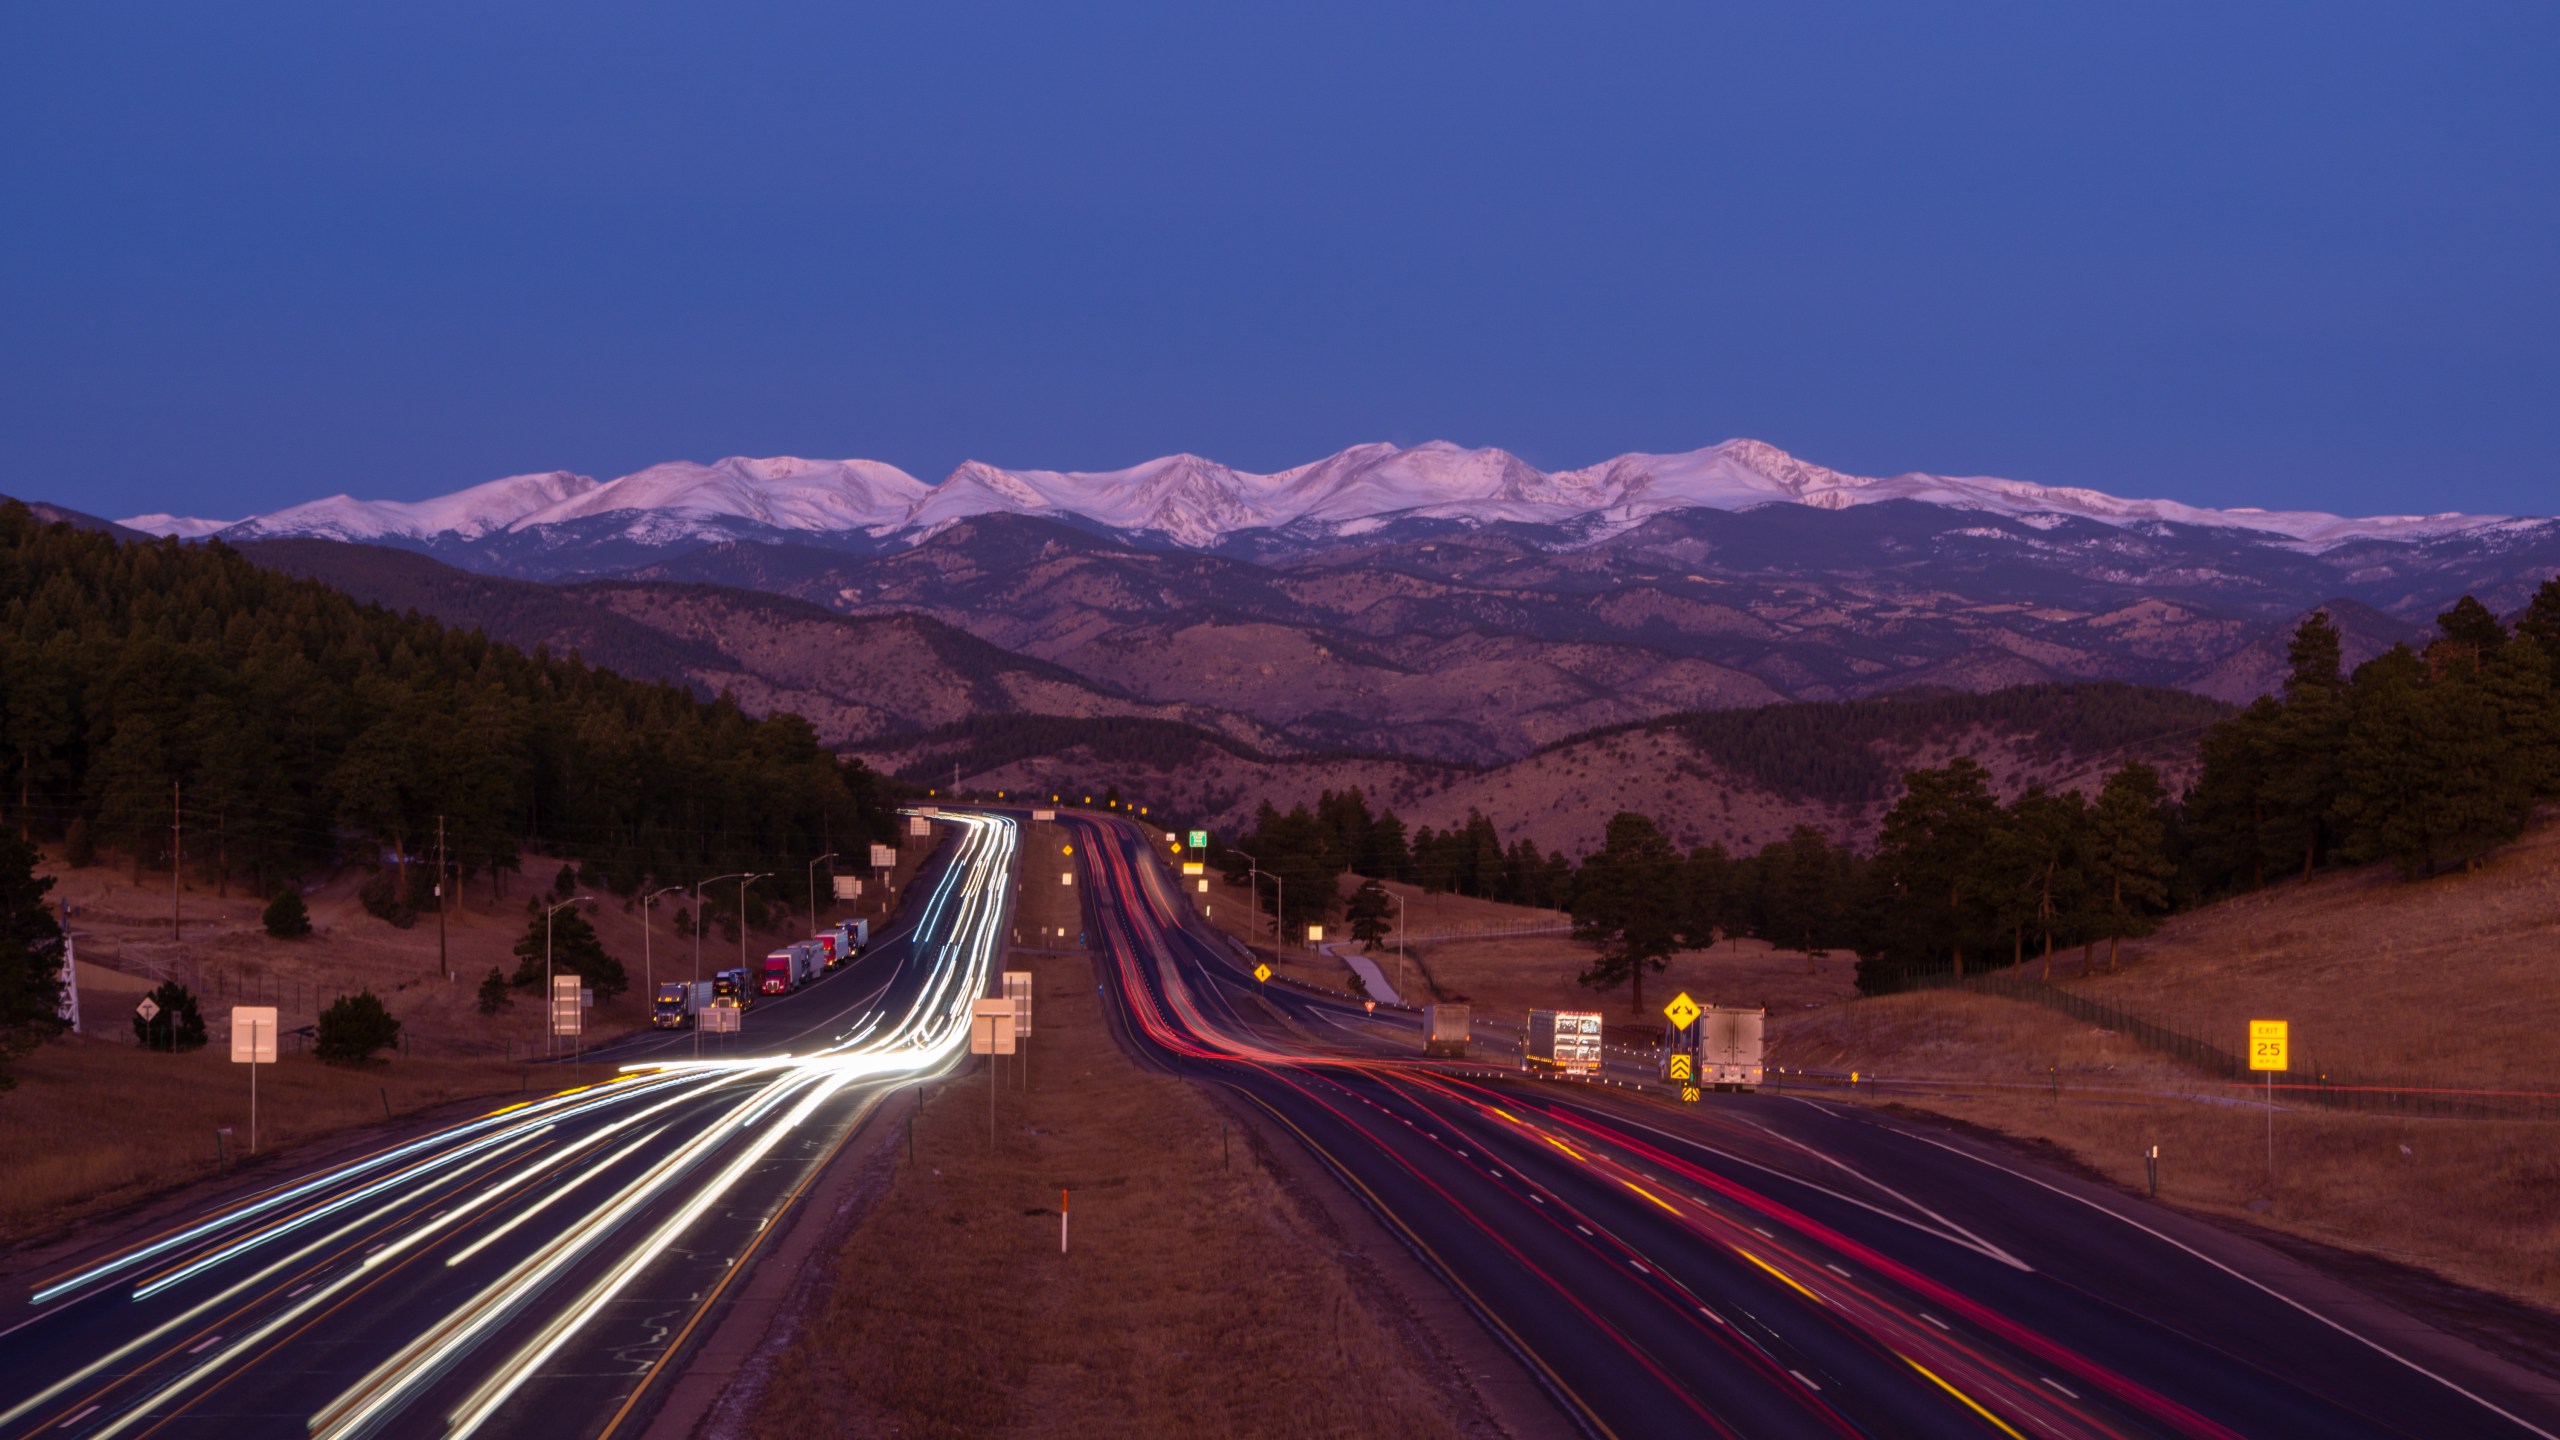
pixel 1196 1300
pixel 96 1123
pixel 2447 981
pixel 2469 1200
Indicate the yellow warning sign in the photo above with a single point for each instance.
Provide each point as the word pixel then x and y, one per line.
pixel 2269 1045
pixel 1688 1094
pixel 1680 1064
pixel 1683 1011
pixel 1261 972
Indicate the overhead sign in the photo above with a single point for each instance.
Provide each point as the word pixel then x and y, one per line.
pixel 1199 839
pixel 721 1019
pixel 884 857
pixel 253 1034
pixel 568 1017
pixel 2270 1045
pixel 1017 988
pixel 1261 972
pixel 991 1027
pixel 1682 1011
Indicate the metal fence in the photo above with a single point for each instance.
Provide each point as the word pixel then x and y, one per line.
pixel 2330 1089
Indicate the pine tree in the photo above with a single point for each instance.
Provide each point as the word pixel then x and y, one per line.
pixel 494 995
pixel 574 950
pixel 353 1027
pixel 30 956
pixel 286 917
pixel 2128 847
pixel 2301 747
pixel 1931 851
pixel 177 1024
pixel 1626 901
pixel 1368 913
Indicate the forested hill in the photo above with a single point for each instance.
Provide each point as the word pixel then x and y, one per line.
pixel 1853 752
pixel 296 726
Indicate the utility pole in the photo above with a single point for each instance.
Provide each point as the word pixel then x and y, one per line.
pixel 177 855
pixel 444 966
pixel 1252 898
pixel 648 966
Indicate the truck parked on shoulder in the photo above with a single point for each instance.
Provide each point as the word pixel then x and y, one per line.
pixel 678 1002
pixel 1564 1041
pixel 1445 1029
pixel 731 985
pixel 791 967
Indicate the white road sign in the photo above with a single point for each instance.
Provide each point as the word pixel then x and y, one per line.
pixel 149 1009
pixel 253 1034
pixel 1017 988
pixel 991 1027
pixel 884 857
pixel 567 1017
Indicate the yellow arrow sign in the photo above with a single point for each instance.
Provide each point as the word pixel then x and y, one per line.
pixel 1682 1010
pixel 1679 1066
pixel 1261 972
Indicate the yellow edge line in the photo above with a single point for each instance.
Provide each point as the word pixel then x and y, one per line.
pixel 1781 1274
pixel 1960 1395
pixel 1649 1195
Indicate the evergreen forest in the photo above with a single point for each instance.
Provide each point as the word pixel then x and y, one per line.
pixel 161 697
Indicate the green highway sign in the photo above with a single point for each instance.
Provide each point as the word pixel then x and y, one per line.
pixel 1199 839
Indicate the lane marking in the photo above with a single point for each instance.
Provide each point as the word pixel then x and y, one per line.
pixel 1966 1400
pixel 1809 1385
pixel 2067 1392
pixel 1934 1320
pixel 76 1419
pixel 205 1344
pixel 2374 1345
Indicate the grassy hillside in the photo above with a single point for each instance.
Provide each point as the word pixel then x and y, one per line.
pixel 2440 983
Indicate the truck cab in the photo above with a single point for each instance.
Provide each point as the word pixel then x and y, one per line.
pixel 780 973
pixel 672 1007
pixel 731 985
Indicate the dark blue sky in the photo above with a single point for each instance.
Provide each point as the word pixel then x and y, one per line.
pixel 2284 255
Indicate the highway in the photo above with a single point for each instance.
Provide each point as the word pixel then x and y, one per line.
pixel 537 1270
pixel 1768 1265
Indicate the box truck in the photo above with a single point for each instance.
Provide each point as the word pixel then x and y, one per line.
pixel 791 967
pixel 1445 1029
pixel 1729 1046
pixel 1564 1041
pixel 731 985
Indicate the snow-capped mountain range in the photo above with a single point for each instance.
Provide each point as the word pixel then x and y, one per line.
pixel 1191 502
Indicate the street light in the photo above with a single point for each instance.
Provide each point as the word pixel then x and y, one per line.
pixel 743 882
pixel 697 947
pixel 1252 897
pixel 1400 945
pixel 648 967
pixel 813 886
pixel 550 1021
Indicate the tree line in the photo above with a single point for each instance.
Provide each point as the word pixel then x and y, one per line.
pixel 2426 756
pixel 145 686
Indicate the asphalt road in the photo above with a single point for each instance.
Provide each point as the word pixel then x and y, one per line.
pixel 535 1271
pixel 1779 1265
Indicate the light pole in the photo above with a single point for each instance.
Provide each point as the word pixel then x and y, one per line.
pixel 1400 945
pixel 743 882
pixel 648 967
pixel 813 889
pixel 697 954
pixel 550 1020
pixel 1252 898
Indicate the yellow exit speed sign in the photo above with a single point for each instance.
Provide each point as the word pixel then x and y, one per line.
pixel 2269 1045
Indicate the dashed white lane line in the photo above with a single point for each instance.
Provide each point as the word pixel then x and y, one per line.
pixel 2066 1391
pixel 1807 1379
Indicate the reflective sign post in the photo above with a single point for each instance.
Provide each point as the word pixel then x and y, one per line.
pixel 253 1043
pixel 2270 1050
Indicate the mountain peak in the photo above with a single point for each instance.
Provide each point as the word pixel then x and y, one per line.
pixel 1196 502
